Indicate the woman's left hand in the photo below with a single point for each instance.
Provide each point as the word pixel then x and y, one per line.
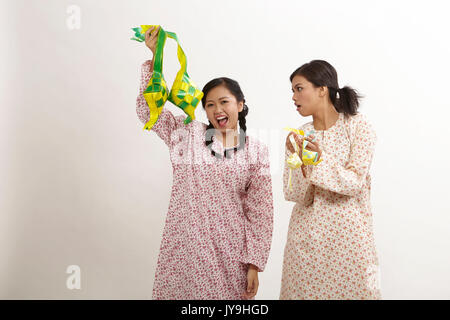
pixel 313 146
pixel 252 282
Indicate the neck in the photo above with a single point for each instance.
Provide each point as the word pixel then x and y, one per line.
pixel 229 137
pixel 326 117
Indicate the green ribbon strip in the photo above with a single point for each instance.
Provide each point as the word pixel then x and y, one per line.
pixel 184 93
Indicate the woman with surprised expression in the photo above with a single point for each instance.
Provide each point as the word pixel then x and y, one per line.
pixel 218 230
pixel 330 250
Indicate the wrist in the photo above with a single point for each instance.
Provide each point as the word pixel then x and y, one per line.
pixel 252 267
pixel 151 66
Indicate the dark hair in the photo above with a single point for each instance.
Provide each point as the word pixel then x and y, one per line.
pixel 321 73
pixel 235 89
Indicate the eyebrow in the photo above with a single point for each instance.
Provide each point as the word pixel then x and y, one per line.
pixel 220 98
pixel 298 83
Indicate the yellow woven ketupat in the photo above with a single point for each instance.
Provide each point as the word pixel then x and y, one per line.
pixel 184 93
pixel 308 157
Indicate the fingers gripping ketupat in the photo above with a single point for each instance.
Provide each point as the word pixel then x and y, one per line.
pixel 184 93
pixel 308 157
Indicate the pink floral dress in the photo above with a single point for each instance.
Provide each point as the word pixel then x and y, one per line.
pixel 220 216
pixel 330 251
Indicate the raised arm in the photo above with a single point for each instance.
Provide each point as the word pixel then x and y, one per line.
pixel 167 123
pixel 142 108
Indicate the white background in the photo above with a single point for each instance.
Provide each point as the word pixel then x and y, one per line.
pixel 83 184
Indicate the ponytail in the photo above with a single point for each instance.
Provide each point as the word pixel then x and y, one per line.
pixel 241 117
pixel 346 100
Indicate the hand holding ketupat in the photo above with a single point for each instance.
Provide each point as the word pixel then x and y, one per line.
pixel 151 37
pixel 309 154
pixel 184 93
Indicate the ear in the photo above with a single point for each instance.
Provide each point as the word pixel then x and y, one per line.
pixel 323 91
pixel 240 106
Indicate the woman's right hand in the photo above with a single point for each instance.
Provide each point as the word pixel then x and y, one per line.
pixel 151 38
pixel 290 147
pixel 297 139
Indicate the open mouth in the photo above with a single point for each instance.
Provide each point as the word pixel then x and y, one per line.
pixel 222 121
pixel 298 106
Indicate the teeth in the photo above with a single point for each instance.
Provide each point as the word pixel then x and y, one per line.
pixel 221 118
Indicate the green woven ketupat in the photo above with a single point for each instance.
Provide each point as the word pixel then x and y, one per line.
pixel 184 93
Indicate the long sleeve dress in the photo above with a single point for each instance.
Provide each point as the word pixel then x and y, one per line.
pixel 330 251
pixel 220 216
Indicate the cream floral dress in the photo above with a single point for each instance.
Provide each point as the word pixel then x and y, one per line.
pixel 330 251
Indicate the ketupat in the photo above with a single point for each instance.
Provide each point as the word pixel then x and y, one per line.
pixel 184 93
pixel 308 157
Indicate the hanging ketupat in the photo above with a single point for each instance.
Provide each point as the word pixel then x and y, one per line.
pixel 184 93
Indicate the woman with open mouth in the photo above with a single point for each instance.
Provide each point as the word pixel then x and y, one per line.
pixel 330 250
pixel 218 230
